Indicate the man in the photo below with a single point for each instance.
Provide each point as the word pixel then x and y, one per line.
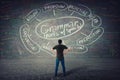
pixel 60 56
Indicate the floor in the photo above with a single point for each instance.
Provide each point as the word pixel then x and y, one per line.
pixel 42 68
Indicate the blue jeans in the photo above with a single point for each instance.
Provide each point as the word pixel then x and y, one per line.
pixel 57 65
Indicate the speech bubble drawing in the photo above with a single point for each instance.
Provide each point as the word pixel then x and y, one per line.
pixel 95 34
pixel 66 26
pixel 29 44
pixel 53 6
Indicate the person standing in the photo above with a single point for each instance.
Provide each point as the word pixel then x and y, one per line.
pixel 60 56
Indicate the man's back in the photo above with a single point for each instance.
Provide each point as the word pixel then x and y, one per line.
pixel 60 48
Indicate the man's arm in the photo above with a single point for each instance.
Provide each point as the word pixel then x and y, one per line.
pixel 67 50
pixel 54 51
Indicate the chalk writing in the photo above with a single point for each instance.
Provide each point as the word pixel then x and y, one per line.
pixel 28 43
pixel 93 36
pixel 50 30
pixel 76 25
pixel 31 14
pixel 53 5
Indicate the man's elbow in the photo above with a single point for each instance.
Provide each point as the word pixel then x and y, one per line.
pixel 69 49
pixel 52 49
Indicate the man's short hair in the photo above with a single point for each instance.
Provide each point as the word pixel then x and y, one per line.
pixel 59 41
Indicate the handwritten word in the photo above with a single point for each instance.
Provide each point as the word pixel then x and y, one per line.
pixel 82 10
pixel 54 28
pixel 53 5
pixel 31 14
pixel 93 36
pixel 28 43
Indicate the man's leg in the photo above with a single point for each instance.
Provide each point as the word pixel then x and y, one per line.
pixel 63 66
pixel 57 65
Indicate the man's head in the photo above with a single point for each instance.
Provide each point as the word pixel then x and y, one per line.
pixel 60 41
